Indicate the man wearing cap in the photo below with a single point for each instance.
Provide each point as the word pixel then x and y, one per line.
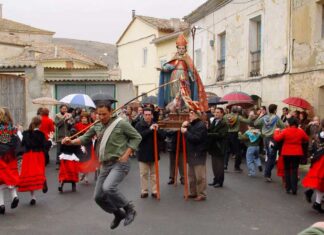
pixel 116 140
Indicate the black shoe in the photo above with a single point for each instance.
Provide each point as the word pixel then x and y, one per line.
pixel 260 168
pixel 213 183
pixel 218 185
pixel 308 195
pixel 238 170
pixel 60 188
pixel 14 203
pixel 182 181
pixel 171 181
pixel 2 209
pixel 317 207
pixel 45 188
pixel 288 191
pixel 154 195
pixel 225 168
pixel 32 202
pixel 130 214
pixel 119 216
pixel 73 187
pixel 144 195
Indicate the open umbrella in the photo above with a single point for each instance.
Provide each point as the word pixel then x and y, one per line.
pixel 238 98
pixel 46 101
pixel 215 100
pixel 298 102
pixel 78 100
pixel 149 100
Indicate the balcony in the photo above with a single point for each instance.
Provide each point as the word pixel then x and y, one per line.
pixel 255 63
pixel 221 70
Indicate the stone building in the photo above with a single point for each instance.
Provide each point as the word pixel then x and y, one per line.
pixel 243 47
pixel 31 66
pixel 307 52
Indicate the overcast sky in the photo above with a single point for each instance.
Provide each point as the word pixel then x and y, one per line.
pixel 96 20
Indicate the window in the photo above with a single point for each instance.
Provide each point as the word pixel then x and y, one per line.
pixel 222 56
pixel 144 56
pixel 255 43
pixel 198 60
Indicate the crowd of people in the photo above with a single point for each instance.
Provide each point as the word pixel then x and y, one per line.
pixel 108 143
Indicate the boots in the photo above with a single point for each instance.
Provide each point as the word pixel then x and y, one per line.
pixel 2 209
pixel 130 214
pixel 318 208
pixel 60 188
pixel 45 188
pixel 119 216
pixel 73 187
pixel 308 195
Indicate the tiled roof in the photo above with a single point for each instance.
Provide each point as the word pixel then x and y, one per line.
pixel 81 75
pixel 12 26
pixel 205 9
pixel 165 25
pixel 17 65
pixel 45 52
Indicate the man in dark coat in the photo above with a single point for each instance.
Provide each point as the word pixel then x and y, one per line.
pixel 145 154
pixel 195 133
pixel 217 134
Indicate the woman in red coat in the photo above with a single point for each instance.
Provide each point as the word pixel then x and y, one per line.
pixel 292 151
pixel 47 127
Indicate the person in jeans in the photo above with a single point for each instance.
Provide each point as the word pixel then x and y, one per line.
pixel 195 133
pixel 116 140
pixel 233 121
pixel 292 151
pixel 268 123
pixel 252 138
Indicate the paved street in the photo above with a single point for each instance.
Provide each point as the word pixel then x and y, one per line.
pixel 244 206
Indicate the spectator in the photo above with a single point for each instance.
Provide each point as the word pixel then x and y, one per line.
pixel 285 112
pixel 217 134
pixel 195 133
pixel 292 151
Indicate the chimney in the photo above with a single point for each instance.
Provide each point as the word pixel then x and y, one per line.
pixel 0 11
pixel 133 14
pixel 175 24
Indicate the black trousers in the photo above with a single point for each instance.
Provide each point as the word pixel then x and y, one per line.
pixel 172 158
pixel 233 146
pixel 218 168
pixel 291 172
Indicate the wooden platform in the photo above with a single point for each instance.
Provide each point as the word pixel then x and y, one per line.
pixel 174 121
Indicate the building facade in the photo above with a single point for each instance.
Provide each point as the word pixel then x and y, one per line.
pixel 147 43
pixel 243 47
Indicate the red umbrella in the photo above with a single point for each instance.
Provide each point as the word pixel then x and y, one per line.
pixel 237 97
pixel 298 102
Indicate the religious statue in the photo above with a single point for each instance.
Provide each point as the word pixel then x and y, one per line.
pixel 188 85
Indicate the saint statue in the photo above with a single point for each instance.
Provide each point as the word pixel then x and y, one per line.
pixel 188 85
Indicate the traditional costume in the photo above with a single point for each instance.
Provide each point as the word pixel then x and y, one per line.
pixel 69 166
pixel 32 174
pixel 9 177
pixel 315 176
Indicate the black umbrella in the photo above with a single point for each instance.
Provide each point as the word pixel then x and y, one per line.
pixel 97 98
pixel 215 100
pixel 149 100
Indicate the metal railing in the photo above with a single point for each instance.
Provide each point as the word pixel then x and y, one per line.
pixel 221 70
pixel 255 63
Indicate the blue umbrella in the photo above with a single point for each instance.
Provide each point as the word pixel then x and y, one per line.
pixel 78 99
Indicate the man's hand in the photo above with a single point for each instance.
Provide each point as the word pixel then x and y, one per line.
pixel 183 130
pixel 125 156
pixel 154 126
pixel 67 141
pixel 185 124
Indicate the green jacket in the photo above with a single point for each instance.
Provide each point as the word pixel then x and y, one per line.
pixel 233 121
pixel 268 123
pixel 122 137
